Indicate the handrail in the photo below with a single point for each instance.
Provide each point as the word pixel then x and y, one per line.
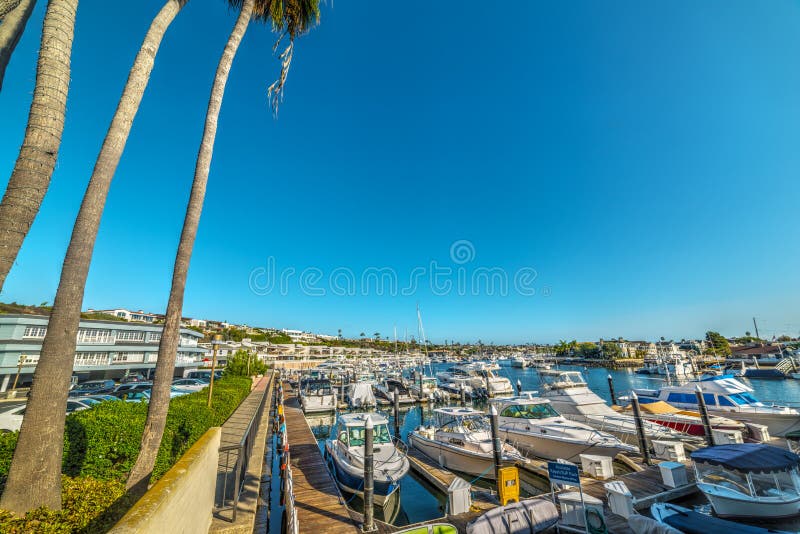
pixel 243 450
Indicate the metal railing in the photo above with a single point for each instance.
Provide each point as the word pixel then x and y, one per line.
pixel 231 474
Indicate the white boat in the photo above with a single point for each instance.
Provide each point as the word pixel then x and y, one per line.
pixel 691 522
pixel 729 397
pixel 751 480
pixel 317 395
pixel 430 389
pixel 360 395
pixel 479 377
pixel 572 398
pixel 461 441
pixel 387 388
pixel 519 362
pixel 532 424
pixel 346 454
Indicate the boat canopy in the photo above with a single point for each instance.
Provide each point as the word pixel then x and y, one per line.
pixel 659 407
pixel 748 457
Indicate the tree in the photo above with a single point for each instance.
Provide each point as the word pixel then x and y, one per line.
pixel 611 351
pixel 37 156
pixel 719 346
pixel 242 363
pixel 14 15
pixel 296 16
pixel 34 478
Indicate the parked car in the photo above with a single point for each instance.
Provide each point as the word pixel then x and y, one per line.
pixel 135 377
pixel 204 375
pixel 134 396
pixel 191 384
pixel 133 386
pixel 93 387
pixel 11 419
pixel 102 398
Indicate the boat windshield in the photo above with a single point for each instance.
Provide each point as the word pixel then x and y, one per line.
pixel 738 399
pixel 475 423
pixel 380 435
pixel 718 476
pixel 530 411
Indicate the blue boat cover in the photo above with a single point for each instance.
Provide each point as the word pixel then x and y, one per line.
pixel 748 457
pixel 691 522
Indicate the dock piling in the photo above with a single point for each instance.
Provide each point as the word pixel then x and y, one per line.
pixel 497 445
pixel 369 488
pixel 463 395
pixel 701 404
pixel 396 399
pixel 611 390
pixel 637 416
pixel 519 387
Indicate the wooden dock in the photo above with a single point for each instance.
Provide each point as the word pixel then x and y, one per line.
pixel 320 506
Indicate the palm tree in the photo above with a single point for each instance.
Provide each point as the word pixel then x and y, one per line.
pixel 37 155
pixel 282 14
pixel 14 15
pixel 34 478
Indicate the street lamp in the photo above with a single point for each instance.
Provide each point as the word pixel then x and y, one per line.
pixel 19 370
pixel 214 345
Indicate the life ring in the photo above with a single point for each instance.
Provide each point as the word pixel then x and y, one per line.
pixel 595 522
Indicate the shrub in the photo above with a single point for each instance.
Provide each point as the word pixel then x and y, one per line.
pixel 89 506
pixel 103 442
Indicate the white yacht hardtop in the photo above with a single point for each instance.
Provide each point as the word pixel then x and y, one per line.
pixel 557 379
pixel 360 419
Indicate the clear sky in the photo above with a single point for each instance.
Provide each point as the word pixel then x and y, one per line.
pixel 627 168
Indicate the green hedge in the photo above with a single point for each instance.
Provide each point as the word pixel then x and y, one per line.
pixel 103 442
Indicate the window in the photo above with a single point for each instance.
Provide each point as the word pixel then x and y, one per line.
pixel 130 335
pixel 91 358
pixel 380 435
pixel 530 411
pixel 125 357
pixel 29 359
pixel 710 399
pixel 36 332
pixel 154 336
pixel 682 398
pixel 724 401
pixel 94 335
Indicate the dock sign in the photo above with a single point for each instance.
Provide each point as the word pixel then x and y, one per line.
pixel 563 473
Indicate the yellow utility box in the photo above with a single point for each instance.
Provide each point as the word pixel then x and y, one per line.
pixel 508 485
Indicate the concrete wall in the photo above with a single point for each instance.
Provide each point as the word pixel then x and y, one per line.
pixel 183 499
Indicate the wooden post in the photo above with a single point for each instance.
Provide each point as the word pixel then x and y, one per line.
pixel 701 404
pixel 519 387
pixel 396 399
pixel 637 415
pixel 463 395
pixel 369 493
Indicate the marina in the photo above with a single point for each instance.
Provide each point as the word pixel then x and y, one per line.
pixel 422 494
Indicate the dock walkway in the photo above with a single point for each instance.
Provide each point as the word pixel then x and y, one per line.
pixel 320 507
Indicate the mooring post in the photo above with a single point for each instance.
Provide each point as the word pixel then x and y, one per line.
pixel 396 398
pixel 611 389
pixel 701 403
pixel 519 387
pixel 463 396
pixel 637 416
pixel 497 445
pixel 369 494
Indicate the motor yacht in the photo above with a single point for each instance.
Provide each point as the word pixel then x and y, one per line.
pixel 572 398
pixel 725 395
pixel 346 455
pixel 317 395
pixel 477 376
pixel 388 386
pixel 532 425
pixel 461 440
pixel 686 421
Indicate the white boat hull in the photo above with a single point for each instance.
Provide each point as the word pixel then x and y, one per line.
pixel 318 403
pixel 455 458
pixel 732 506
pixel 551 449
pixel 778 424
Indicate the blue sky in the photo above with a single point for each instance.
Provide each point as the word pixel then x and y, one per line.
pixel 640 157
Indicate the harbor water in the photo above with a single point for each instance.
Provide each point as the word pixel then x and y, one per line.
pixel 419 501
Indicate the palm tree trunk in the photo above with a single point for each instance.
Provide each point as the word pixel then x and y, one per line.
pixel 37 156
pixel 168 347
pixel 34 478
pixel 14 15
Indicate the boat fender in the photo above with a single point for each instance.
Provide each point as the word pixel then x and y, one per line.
pixel 595 522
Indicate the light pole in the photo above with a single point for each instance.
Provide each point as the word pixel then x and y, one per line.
pixel 19 370
pixel 214 344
